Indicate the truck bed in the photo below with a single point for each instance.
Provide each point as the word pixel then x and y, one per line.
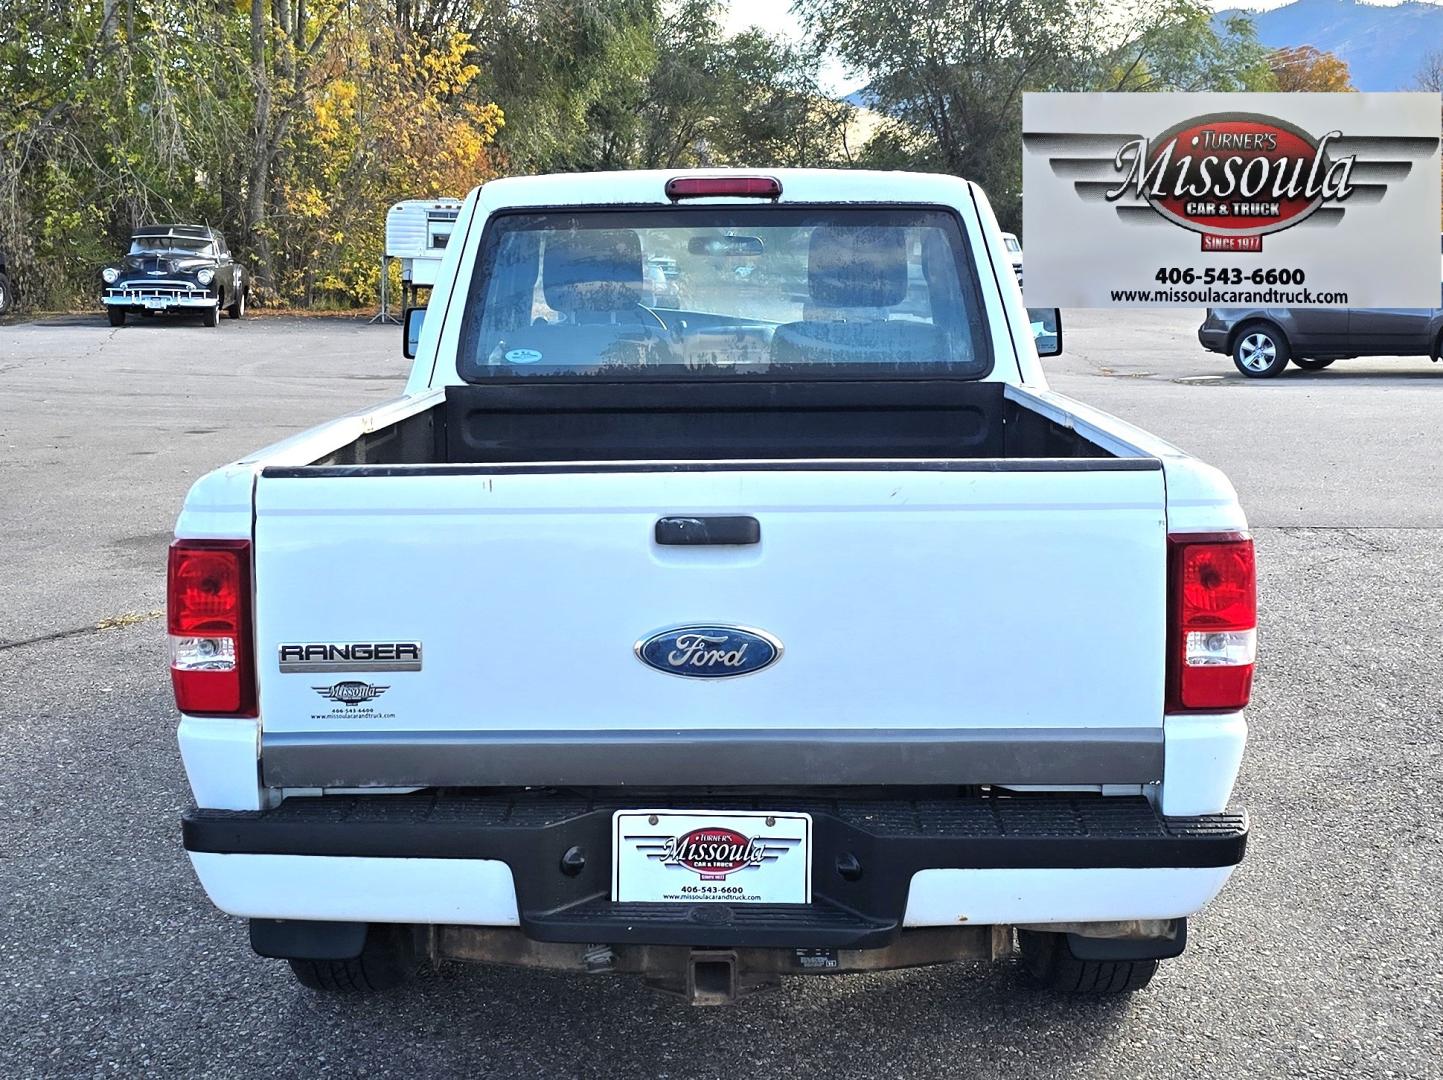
pixel 540 421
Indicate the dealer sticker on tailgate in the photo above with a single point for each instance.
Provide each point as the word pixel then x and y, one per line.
pixel 691 856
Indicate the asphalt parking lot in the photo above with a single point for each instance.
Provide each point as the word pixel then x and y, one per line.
pixel 1323 958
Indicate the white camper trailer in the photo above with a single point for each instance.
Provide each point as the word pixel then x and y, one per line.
pixel 416 233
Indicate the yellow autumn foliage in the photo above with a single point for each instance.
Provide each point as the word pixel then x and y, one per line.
pixel 386 122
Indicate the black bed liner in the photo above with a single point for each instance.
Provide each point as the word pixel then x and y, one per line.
pixel 707 420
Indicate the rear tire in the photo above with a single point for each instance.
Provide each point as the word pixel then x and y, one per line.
pixel 116 315
pixel 1260 351
pixel 1307 363
pixel 237 308
pixel 388 959
pixel 7 294
pixel 1049 960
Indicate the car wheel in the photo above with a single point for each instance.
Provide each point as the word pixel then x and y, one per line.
pixel 1307 363
pixel 1260 351
pixel 7 294
pixel 1049 960
pixel 388 959
pixel 212 314
pixel 238 308
pixel 117 315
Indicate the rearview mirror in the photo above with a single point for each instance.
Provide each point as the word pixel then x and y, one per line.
pixel 411 331
pixel 1046 330
pixel 730 245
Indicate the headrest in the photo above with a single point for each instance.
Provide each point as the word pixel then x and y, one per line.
pixel 939 268
pixel 592 270
pixel 857 267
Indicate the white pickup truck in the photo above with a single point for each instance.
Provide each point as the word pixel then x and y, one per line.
pixel 795 627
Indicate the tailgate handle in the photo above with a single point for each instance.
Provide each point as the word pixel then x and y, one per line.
pixel 708 530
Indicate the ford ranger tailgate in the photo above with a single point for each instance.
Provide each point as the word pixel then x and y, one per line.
pixel 945 597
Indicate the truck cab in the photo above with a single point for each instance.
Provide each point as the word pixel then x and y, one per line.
pixel 795 629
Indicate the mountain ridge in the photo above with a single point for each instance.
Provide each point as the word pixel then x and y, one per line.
pixel 1384 46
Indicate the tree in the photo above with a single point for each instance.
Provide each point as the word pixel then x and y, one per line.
pixel 950 76
pixel 294 124
pixel 741 100
pixel 1176 45
pixel 569 74
pixel 114 113
pixel 290 124
pixel 1430 73
pixel 774 112
pixel 1430 77
pixel 1306 69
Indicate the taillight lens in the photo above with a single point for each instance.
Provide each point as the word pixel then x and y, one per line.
pixel 1212 622
pixel 208 618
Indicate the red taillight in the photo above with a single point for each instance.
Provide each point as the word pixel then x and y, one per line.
pixel 745 187
pixel 1212 622
pixel 208 617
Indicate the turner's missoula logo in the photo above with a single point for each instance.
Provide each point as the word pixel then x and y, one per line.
pixel 1121 191
pixel 351 692
pixel 713 851
pixel 1234 178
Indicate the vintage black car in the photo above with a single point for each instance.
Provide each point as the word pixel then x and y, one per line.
pixel 176 268
pixel 7 290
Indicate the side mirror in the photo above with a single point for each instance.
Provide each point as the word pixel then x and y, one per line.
pixel 1046 330
pixel 411 331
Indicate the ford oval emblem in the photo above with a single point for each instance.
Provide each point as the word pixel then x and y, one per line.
pixel 709 651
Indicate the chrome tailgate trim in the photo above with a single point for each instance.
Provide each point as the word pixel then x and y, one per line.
pixel 712 757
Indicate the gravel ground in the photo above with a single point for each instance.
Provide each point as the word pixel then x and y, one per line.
pixel 1322 958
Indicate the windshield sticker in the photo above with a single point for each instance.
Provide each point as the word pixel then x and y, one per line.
pixel 523 356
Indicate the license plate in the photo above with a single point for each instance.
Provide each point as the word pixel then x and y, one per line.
pixel 698 857
pixel 155 302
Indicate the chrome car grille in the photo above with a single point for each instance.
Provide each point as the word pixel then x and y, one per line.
pixel 166 290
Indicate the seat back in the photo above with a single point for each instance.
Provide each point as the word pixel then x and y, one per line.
pixel 593 279
pixel 854 276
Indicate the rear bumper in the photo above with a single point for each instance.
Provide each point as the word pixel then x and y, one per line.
pixel 1213 336
pixel 497 860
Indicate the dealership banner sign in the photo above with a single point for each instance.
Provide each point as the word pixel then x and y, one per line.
pixel 1181 200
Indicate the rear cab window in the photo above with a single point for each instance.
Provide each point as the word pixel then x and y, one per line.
pixel 725 291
